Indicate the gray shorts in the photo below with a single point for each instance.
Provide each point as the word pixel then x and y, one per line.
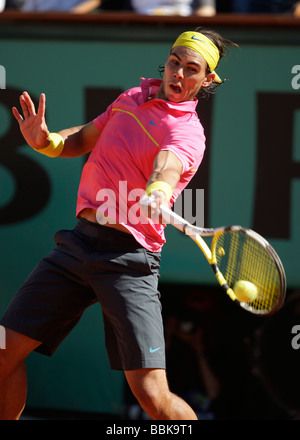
pixel 90 264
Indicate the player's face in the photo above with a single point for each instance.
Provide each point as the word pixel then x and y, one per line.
pixel 185 74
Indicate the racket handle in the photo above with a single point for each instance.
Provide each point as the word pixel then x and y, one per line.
pixel 176 220
pixel 168 216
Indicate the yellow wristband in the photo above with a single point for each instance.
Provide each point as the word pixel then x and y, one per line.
pixel 55 146
pixel 160 186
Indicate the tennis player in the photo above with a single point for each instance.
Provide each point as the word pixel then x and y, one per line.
pixel 149 140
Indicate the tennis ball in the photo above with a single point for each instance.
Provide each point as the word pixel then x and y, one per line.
pixel 221 251
pixel 245 291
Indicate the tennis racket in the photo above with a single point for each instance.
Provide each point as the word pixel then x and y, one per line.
pixel 239 254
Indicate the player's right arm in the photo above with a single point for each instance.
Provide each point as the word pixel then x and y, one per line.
pixel 77 140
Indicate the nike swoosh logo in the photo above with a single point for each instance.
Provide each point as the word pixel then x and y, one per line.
pixel 153 123
pixel 153 350
pixel 198 39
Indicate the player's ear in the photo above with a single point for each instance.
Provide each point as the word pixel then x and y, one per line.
pixel 208 80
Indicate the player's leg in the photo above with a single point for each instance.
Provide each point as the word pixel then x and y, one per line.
pixel 150 387
pixel 13 380
pixel 45 308
pixel 134 335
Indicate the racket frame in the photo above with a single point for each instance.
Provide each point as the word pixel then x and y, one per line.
pixel 196 234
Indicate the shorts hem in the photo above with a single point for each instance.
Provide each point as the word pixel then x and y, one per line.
pixel 160 365
pixel 43 348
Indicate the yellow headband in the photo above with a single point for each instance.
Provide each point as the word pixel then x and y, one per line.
pixel 204 46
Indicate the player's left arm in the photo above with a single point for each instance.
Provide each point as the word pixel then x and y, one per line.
pixel 79 140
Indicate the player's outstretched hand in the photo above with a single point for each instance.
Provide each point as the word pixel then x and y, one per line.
pixel 33 125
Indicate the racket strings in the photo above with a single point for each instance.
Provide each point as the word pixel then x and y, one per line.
pixel 241 257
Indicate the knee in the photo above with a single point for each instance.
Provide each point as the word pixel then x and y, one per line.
pixel 152 394
pixel 6 363
pixel 154 402
pixel 14 350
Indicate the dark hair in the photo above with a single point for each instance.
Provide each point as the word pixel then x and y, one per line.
pixel 223 46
